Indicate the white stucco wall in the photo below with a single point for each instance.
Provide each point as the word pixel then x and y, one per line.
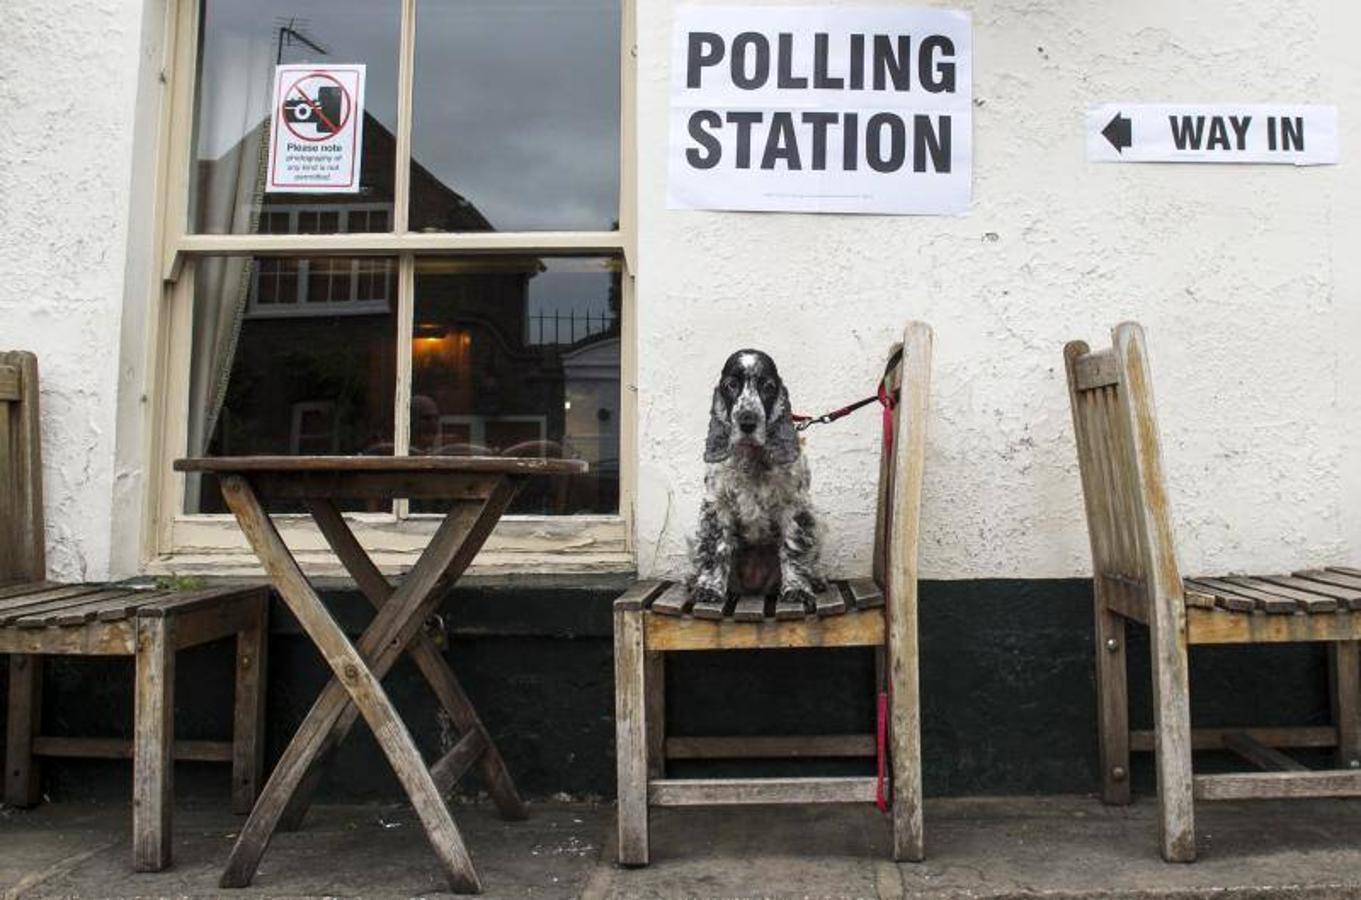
pixel 1247 279
pixel 68 83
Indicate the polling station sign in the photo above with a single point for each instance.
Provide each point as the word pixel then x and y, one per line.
pixel 316 136
pixel 821 109
pixel 1283 134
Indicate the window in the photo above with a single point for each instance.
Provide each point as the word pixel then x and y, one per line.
pixel 470 295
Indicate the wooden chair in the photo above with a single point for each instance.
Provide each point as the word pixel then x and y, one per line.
pixel 38 617
pixel 1136 578
pixel 655 618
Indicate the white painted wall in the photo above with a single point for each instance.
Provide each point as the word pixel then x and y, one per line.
pixel 1248 280
pixel 68 90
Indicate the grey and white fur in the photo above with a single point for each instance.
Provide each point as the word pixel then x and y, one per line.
pixel 757 531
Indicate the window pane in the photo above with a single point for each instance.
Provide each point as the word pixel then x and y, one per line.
pixel 291 356
pixel 241 42
pixel 519 356
pixel 516 121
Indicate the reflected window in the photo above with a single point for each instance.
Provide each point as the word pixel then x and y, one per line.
pixel 241 43
pixel 516 110
pixel 519 356
pixel 291 356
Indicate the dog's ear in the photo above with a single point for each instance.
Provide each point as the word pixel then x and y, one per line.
pixel 718 445
pixel 782 440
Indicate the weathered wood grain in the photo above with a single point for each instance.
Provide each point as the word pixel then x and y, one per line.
pixel 1278 785
pixel 631 744
pixel 1344 671
pixel 22 725
pixel 153 766
pixel 1167 608
pixel 248 706
pixel 429 660
pixel 900 586
pixel 674 601
pixel 1213 738
pixel 745 791
pixel 771 746
pixel 1260 754
pixel 357 673
pixel 854 629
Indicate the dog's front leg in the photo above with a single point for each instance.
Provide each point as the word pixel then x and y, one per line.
pixel 799 577
pixel 713 555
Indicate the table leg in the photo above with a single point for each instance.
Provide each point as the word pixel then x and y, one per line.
pixel 358 671
pixel 428 659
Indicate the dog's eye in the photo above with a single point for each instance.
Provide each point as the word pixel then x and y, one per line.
pixel 730 385
pixel 768 388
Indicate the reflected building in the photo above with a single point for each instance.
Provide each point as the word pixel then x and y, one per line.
pixel 510 354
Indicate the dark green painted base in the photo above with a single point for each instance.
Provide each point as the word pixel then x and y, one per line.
pixel 1007 683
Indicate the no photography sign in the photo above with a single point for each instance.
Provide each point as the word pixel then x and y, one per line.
pixel 316 137
pixel 821 109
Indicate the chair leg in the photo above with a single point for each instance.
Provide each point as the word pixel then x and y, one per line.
pixel 1172 726
pixel 1345 671
pixel 631 735
pixel 1112 704
pixel 22 787
pixel 905 744
pixel 248 725
pixel 654 684
pixel 153 767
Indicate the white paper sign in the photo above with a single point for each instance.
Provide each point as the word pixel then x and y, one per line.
pixel 1212 133
pixel 821 109
pixel 317 132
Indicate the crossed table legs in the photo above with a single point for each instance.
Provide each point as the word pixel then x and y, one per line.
pixel 357 689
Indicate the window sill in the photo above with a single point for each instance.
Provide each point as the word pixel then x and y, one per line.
pixel 520 546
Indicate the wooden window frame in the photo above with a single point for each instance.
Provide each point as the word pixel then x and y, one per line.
pixel 177 542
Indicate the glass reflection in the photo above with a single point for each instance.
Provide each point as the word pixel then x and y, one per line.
pixel 519 356
pixel 516 109
pixel 291 356
pixel 241 43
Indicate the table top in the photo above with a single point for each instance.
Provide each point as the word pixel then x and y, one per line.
pixel 396 465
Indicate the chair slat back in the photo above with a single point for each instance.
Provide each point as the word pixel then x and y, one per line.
pixel 1120 459
pixel 21 485
pixel 900 472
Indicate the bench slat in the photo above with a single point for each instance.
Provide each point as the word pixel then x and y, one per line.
pixel 674 601
pixel 1327 576
pixel 80 610
pixel 865 594
pixel 1347 598
pixel 1235 599
pixel 16 607
pixel 750 609
pixel 1309 602
pixel 830 602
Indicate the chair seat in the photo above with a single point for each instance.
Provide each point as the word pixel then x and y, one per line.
pixel 840 597
pixel 45 604
pixel 1313 591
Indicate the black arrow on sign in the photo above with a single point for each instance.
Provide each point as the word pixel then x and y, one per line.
pixel 1119 133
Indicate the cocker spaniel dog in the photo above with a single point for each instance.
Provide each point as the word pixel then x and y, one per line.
pixel 757 533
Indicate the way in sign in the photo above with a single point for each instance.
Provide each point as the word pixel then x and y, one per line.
pixel 1255 133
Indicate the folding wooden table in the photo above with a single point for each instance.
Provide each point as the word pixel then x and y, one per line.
pixel 478 490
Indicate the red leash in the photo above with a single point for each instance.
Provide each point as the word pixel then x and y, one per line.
pixel 883 797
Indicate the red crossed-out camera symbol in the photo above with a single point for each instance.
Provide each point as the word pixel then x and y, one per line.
pixel 316 107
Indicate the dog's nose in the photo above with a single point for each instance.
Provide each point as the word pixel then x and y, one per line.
pixel 747 422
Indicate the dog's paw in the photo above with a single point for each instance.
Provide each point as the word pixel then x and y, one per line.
pixel 707 595
pixel 800 597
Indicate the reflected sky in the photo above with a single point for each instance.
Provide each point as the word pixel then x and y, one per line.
pixel 516 102
pixel 517 108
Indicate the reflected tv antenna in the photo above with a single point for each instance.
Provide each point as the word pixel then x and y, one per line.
pixel 291 32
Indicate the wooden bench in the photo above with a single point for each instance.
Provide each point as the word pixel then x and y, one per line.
pixel 1137 578
pixel 654 618
pixel 38 618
